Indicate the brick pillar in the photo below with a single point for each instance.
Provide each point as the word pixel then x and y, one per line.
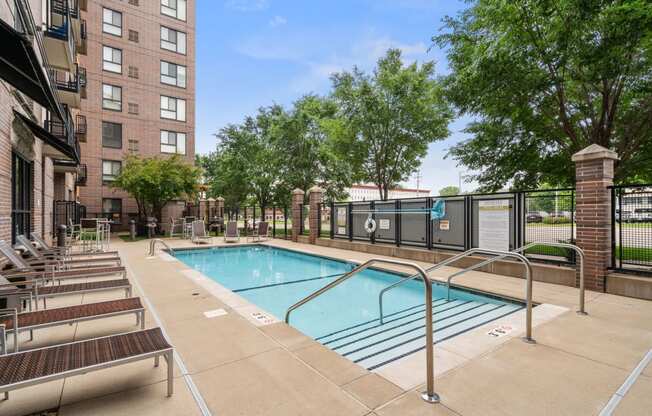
pixel 219 207
pixel 297 201
pixel 315 197
pixel 594 173
pixel 202 209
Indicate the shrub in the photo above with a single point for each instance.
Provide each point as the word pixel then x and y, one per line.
pixel 556 220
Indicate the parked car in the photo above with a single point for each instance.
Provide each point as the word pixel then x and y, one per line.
pixel 641 215
pixel 533 217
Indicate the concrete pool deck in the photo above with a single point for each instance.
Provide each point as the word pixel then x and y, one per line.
pixel 240 367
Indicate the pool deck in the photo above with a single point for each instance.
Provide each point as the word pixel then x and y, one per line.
pixel 240 367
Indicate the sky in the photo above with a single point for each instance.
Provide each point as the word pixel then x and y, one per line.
pixel 253 53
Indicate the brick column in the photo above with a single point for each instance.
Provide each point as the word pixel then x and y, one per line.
pixel 297 201
pixel 315 197
pixel 219 207
pixel 594 173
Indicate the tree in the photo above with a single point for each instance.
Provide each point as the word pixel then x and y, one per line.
pixel 449 191
pixel 153 182
pixel 544 79
pixel 390 117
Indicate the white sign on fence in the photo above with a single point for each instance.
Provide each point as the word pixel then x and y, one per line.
pixel 444 225
pixel 383 224
pixel 493 227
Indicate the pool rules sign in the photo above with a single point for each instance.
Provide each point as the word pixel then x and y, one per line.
pixel 493 232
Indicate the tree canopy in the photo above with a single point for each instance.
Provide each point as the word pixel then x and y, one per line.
pixel 544 79
pixel 388 119
pixel 449 191
pixel 153 182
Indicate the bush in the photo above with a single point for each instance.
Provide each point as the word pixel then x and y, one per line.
pixel 556 220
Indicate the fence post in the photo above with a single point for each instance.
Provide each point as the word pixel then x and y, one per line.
pixel 594 172
pixel 332 220
pixel 315 198
pixel 297 207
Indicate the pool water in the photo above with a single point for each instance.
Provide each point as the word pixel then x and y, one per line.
pixel 274 279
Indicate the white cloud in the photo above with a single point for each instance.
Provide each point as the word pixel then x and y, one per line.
pixel 247 5
pixel 277 21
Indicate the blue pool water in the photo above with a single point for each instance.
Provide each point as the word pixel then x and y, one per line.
pixel 274 279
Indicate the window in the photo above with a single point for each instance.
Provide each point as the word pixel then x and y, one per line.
pixel 112 209
pixel 174 8
pixel 133 108
pixel 134 146
pixel 111 97
pixel 173 142
pixel 133 36
pixel 112 59
pixel 173 40
pixel 173 74
pixel 112 22
pixel 133 71
pixel 134 2
pixel 21 196
pixel 110 169
pixel 173 108
pixel 112 135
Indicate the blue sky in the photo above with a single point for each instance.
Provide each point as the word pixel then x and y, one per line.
pixel 253 53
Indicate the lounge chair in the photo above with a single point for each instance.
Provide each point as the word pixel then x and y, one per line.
pixel 16 322
pixel 199 233
pixel 45 248
pixel 231 232
pixel 65 260
pixel 262 232
pixel 49 270
pixel 28 368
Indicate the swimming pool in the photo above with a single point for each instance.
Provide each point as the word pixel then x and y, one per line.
pixel 345 318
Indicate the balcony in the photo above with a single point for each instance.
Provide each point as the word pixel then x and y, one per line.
pixel 82 175
pixel 71 85
pixel 59 39
pixel 80 127
pixel 82 46
pixel 64 132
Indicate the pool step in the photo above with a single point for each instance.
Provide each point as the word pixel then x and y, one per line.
pixel 373 345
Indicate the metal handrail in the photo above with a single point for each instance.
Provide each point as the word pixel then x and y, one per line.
pixel 152 246
pixel 528 277
pixel 521 249
pixel 429 395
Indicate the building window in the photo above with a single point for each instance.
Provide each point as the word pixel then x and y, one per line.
pixel 133 71
pixel 112 209
pixel 21 196
pixel 111 97
pixel 112 135
pixel 173 142
pixel 112 22
pixel 173 40
pixel 173 74
pixel 133 36
pixel 110 169
pixel 134 2
pixel 173 108
pixel 112 59
pixel 174 8
pixel 133 108
pixel 134 146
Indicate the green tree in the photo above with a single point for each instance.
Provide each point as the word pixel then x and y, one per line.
pixel 541 80
pixel 153 182
pixel 449 191
pixel 390 118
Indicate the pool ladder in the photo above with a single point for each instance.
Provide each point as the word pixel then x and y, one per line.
pixel 152 246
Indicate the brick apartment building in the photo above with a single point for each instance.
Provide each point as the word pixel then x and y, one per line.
pixel 140 93
pixel 40 93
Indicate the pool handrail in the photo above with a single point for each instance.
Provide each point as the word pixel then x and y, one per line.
pixel 429 395
pixel 521 249
pixel 152 246
pixel 528 286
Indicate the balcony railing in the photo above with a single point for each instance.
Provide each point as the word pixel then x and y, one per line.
pixel 71 82
pixel 62 129
pixel 80 125
pixel 57 21
pixel 82 175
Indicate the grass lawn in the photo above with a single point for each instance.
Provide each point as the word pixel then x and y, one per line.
pixel 635 253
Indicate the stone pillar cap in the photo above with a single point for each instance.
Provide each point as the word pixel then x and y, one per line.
pixel 219 198
pixel 298 192
pixel 211 199
pixel 315 189
pixel 593 152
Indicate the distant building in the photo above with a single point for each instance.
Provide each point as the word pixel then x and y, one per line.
pixel 364 192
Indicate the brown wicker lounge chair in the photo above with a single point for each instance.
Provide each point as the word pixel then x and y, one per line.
pixel 15 322
pixel 65 260
pixel 262 232
pixel 199 233
pixel 28 368
pixel 231 232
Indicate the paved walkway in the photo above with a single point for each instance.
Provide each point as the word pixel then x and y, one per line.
pixel 240 368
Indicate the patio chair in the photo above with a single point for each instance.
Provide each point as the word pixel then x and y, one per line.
pixel 64 259
pixel 15 322
pixel 199 233
pixel 28 368
pixel 176 226
pixel 262 232
pixel 45 248
pixel 231 232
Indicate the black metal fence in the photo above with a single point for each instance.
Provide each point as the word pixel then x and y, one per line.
pixel 503 221
pixel 249 216
pixel 66 213
pixel 631 232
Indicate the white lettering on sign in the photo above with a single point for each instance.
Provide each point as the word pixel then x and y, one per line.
pixel 444 225
pixel 500 331
pixel 341 230
pixel 383 224
pixel 493 232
